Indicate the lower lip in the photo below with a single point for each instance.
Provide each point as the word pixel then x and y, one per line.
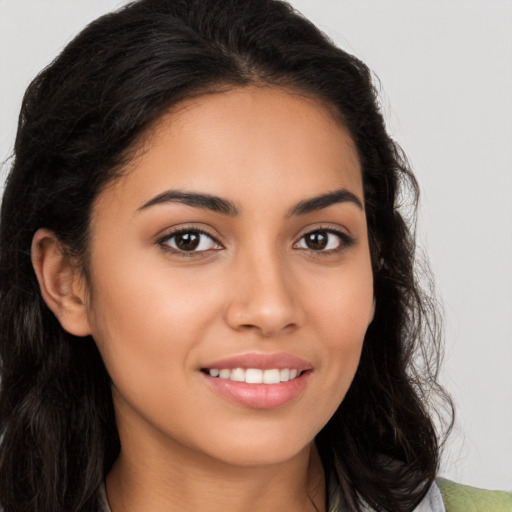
pixel 259 396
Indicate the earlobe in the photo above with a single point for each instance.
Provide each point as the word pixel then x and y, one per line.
pixel 61 283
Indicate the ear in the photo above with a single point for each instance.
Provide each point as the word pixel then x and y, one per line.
pixel 62 285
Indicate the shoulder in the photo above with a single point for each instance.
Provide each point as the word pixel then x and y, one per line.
pixel 463 498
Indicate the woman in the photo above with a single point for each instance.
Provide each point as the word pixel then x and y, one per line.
pixel 207 293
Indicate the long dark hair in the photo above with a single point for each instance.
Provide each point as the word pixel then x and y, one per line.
pixel 80 120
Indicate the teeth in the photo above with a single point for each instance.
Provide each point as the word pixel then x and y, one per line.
pixel 284 375
pixel 255 375
pixel 238 375
pixel 271 376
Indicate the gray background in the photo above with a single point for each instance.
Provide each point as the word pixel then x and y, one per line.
pixel 445 68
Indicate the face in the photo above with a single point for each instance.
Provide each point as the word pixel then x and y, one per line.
pixel 231 285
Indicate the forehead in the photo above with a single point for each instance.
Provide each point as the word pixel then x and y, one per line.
pixel 242 144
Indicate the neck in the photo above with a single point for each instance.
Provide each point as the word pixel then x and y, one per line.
pixel 179 479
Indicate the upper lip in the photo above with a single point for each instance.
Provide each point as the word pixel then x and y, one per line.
pixel 263 361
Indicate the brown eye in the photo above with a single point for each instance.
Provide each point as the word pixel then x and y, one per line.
pixel 323 240
pixel 187 241
pixel 317 240
pixel 190 241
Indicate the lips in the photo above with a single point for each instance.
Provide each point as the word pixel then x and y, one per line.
pixel 260 381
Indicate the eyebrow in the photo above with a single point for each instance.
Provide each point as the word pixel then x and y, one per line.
pixel 226 207
pixel 205 201
pixel 320 202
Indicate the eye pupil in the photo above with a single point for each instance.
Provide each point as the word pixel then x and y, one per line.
pixel 316 240
pixel 187 241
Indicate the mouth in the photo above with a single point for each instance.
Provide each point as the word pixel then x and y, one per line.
pixel 259 381
pixel 255 375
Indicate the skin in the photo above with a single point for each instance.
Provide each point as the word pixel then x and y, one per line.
pixel 159 315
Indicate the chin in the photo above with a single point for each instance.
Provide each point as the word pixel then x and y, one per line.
pixel 263 445
pixel 258 455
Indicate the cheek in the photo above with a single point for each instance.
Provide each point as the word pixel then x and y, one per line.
pixel 147 335
pixel 149 321
pixel 340 312
pixel 142 295
pixel 141 321
pixel 342 304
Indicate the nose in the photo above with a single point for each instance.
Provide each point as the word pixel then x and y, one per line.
pixel 262 296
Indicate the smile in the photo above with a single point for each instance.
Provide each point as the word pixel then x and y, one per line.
pixel 259 381
pixel 255 375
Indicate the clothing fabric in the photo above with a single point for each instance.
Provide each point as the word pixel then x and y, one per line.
pixel 432 502
pixel 464 498
pixel 104 506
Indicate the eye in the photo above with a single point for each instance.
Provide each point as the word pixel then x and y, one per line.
pixel 189 240
pixel 323 240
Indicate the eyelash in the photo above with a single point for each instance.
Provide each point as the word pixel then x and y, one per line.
pixel 164 242
pixel 345 241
